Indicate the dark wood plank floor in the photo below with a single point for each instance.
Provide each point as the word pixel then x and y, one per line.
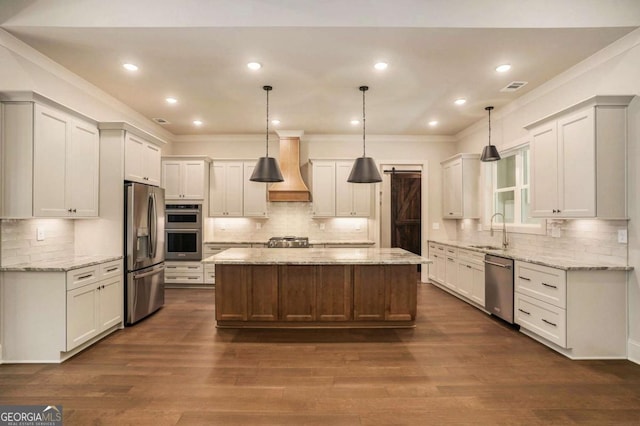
pixel 458 366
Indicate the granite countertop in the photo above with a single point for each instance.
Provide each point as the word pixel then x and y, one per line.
pixel 316 256
pixel 312 242
pixel 62 264
pixel 553 261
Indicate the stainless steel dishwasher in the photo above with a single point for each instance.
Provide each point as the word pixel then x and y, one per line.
pixel 498 279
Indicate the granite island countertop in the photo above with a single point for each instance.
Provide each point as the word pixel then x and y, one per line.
pixel 311 242
pixel 553 261
pixel 316 256
pixel 62 264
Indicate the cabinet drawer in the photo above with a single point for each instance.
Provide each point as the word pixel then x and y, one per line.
pixel 183 278
pixel 542 283
pixel 471 256
pixel 209 274
pixel 83 276
pixel 541 318
pixel 183 267
pixel 451 251
pixel 111 269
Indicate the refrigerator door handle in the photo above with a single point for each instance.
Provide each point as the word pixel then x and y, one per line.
pixel 151 220
pixel 147 274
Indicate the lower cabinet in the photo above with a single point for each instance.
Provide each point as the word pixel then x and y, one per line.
pixel 315 293
pixel 579 313
pixel 214 248
pixel 67 311
pixel 183 273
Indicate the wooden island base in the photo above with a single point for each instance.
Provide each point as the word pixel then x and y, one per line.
pixel 316 296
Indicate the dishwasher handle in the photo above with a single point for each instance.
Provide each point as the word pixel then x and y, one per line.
pixel 497 264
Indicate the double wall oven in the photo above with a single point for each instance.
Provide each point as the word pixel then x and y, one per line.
pixel 183 232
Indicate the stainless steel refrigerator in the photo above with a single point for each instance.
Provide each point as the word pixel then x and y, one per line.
pixel 143 251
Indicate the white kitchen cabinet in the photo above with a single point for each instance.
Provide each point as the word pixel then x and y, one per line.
pixel 50 162
pixel 437 269
pixel 451 268
pixel 459 271
pixel 579 313
pixel 254 194
pixel 333 196
pixel 185 179
pixel 214 248
pixel 183 273
pixel 68 311
pixel 578 161
pixel 226 189
pixel 141 160
pixel 460 177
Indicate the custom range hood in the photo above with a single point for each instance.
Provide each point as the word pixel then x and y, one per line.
pixel 293 188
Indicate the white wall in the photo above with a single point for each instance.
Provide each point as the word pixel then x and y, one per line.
pixel 613 70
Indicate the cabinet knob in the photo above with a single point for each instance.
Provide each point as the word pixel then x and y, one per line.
pixel 74 210
pixel 69 210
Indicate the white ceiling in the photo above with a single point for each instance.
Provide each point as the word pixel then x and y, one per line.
pixel 197 50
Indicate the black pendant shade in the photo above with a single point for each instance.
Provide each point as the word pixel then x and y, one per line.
pixel 490 152
pixel 364 171
pixel 364 168
pixel 267 169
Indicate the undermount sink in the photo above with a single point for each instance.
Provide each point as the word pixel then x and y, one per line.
pixel 486 247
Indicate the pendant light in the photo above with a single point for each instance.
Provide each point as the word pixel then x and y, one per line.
pixel 490 152
pixel 267 169
pixel 364 168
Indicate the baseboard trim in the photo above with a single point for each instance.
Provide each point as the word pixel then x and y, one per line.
pixel 633 351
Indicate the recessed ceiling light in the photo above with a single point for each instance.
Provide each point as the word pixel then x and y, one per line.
pixel 433 123
pixel 275 122
pixel 354 122
pixel 171 100
pixel 197 122
pixel 460 101
pixel 254 65
pixel 381 66
pixel 130 67
pixel 503 68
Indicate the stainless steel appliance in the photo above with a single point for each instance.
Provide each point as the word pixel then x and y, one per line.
pixel 498 279
pixel 288 242
pixel 183 232
pixel 144 250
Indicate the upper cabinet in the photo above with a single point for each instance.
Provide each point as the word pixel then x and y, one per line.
pixel 333 196
pixel 185 178
pixel 578 159
pixel 232 194
pixel 141 160
pixel 460 177
pixel 50 162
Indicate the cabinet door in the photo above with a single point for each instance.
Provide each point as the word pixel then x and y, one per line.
pixel 111 304
pixel 231 292
pixel 297 293
pixel 401 292
pixel 49 162
pixel 440 268
pixel 577 165
pixel 362 196
pixel 171 172
pixel 334 292
pixel 262 293
pixel 452 190
pixel 217 189
pixel 369 293
pixel 134 152
pixel 152 160
pixel 344 190
pixel 83 169
pixel 82 315
pixel 255 194
pixel 477 289
pixel 451 273
pixel 233 194
pixel 323 188
pixel 193 186
pixel 465 279
pixel 544 171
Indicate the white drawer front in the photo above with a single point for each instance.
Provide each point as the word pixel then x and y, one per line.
pixel 111 269
pixel 542 283
pixel 451 251
pixel 183 267
pixel 541 318
pixel 471 256
pixel 83 276
pixel 183 278
pixel 209 275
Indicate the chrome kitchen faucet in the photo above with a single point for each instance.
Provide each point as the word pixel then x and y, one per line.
pixel 505 240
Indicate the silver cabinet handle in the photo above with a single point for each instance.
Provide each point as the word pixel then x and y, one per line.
pixel 497 264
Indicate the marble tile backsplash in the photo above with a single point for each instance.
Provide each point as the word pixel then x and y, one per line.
pixel 287 218
pixel 589 240
pixel 19 243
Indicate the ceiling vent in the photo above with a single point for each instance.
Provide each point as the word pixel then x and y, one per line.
pixel 513 86
pixel 160 120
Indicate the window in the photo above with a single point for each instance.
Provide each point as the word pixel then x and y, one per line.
pixel 511 195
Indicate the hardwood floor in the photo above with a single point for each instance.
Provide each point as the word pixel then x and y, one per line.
pixel 458 366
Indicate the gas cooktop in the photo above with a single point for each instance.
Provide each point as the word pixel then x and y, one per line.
pixel 288 242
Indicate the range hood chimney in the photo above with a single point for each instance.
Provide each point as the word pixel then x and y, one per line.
pixel 293 188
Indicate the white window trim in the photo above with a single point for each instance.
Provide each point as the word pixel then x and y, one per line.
pixel 487 177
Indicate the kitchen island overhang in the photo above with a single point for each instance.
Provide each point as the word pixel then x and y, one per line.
pixel 316 287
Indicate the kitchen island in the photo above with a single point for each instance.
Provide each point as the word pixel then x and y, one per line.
pixel 316 287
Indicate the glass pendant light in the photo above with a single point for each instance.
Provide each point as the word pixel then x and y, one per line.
pixel 490 152
pixel 364 168
pixel 267 169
